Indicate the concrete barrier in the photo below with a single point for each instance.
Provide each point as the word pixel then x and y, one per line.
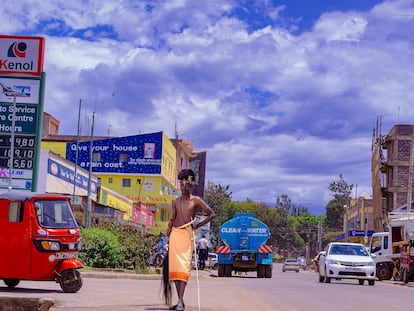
pixel 25 304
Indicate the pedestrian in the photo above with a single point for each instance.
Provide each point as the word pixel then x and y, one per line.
pixel 182 238
pixel 203 247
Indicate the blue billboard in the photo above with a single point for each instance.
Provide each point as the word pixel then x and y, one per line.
pixel 139 154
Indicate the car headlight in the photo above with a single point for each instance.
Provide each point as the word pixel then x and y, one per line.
pixel 371 264
pixel 333 262
pixel 47 245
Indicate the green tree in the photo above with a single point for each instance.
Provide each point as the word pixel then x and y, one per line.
pixel 334 215
pixel 218 197
pixel 335 208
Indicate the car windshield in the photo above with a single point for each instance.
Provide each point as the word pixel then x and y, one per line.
pixel 348 249
pixel 55 214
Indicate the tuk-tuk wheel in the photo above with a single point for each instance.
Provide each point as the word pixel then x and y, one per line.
pixel 11 282
pixel 70 281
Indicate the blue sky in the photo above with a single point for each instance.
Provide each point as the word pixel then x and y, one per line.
pixel 283 95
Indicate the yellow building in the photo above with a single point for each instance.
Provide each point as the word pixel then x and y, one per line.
pixel 133 171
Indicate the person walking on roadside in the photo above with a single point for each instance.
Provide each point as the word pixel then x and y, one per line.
pixel 181 238
pixel 203 247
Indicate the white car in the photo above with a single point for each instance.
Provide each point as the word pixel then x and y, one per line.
pixel 346 261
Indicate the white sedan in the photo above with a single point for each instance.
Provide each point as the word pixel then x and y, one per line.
pixel 346 261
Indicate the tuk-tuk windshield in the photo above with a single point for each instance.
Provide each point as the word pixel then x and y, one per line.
pixel 55 214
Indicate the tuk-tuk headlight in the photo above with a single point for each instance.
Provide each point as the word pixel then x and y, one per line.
pixel 47 245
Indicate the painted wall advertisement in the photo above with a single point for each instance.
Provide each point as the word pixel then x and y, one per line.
pixel 139 154
pixel 67 174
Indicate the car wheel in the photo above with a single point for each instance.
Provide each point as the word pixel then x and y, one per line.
pixel 321 278
pixel 327 279
pixel 371 282
pixel 297 271
pixel 11 282
pixel 361 282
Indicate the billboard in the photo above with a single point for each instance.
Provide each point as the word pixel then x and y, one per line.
pixel 139 154
pixel 21 55
pixel 21 106
pixel 198 165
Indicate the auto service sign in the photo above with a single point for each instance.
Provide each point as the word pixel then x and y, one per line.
pixel 21 55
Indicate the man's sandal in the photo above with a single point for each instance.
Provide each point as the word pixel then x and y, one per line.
pixel 178 308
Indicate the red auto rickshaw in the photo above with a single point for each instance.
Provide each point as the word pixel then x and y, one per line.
pixel 39 240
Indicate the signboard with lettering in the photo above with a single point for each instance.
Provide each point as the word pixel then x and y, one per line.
pixel 139 154
pixel 67 174
pixel 21 55
pixel 21 99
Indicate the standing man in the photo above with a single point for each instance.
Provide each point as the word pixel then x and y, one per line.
pixel 203 247
pixel 181 235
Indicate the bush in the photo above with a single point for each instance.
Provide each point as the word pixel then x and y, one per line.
pixel 100 249
pixel 111 244
pixel 136 248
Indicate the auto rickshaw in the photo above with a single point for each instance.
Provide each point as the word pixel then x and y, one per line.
pixel 39 240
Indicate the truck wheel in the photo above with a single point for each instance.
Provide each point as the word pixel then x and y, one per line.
pixel 227 270
pixel 261 271
pixel 405 276
pixel 11 282
pixel 70 281
pixel 220 270
pixel 268 271
pixel 384 272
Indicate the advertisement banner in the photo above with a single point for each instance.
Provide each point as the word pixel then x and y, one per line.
pixel 139 154
pixel 68 175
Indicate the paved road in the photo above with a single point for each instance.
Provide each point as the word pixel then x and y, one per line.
pixel 288 291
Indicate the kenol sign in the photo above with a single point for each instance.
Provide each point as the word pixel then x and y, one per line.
pixel 21 55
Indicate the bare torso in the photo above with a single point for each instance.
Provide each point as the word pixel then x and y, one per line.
pixel 184 209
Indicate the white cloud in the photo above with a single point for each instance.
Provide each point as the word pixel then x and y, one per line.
pixel 277 111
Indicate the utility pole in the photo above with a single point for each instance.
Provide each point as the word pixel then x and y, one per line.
pixel 320 233
pixel 77 153
pixel 89 201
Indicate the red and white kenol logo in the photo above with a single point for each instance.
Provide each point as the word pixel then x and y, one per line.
pixel 265 249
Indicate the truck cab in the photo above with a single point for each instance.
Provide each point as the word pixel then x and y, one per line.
pixel 381 247
pixel 388 246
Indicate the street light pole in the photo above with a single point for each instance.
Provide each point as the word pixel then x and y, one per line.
pixel 77 153
pixel 89 201
pixel 12 142
pixel 346 207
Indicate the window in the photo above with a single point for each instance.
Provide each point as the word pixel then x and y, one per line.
pixel 110 180
pixel 54 214
pixel 15 212
pixel 126 182
pixel 96 157
pixel 123 157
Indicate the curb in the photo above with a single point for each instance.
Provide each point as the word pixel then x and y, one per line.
pixel 25 304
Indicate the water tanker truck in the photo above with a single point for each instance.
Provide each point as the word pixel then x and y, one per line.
pixel 244 247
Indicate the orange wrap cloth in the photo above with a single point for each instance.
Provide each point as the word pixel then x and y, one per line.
pixel 180 253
